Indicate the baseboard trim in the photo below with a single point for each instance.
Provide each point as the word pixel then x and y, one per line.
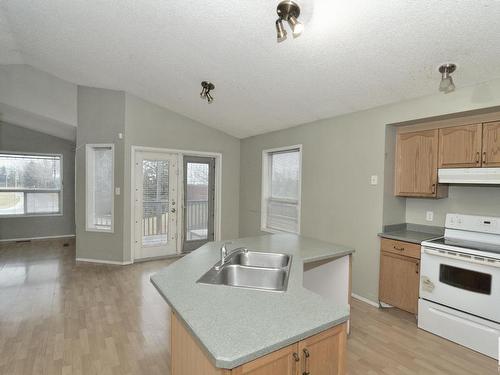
pixel 88 260
pixel 38 238
pixel 365 300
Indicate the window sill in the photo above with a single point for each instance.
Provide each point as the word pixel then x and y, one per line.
pixel 96 230
pixel 275 231
pixel 26 216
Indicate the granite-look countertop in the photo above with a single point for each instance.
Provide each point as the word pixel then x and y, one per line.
pixel 237 325
pixel 414 233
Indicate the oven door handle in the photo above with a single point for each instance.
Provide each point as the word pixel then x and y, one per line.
pixel 465 258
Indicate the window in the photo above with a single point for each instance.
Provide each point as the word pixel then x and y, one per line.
pixel 281 180
pixel 30 184
pixel 100 187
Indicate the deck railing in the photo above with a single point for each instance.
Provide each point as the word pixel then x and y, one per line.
pixel 156 224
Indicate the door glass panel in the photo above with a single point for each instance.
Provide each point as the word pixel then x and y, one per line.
pixel 465 279
pixel 197 201
pixel 155 202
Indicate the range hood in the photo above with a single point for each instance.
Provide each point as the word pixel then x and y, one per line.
pixel 489 176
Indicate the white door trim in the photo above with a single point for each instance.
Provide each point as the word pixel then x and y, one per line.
pixel 180 219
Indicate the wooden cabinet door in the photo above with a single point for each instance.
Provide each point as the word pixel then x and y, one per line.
pixel 281 362
pixel 399 281
pixel 460 146
pixel 416 164
pixel 491 144
pixel 324 353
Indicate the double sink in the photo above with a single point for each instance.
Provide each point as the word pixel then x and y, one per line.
pixel 251 269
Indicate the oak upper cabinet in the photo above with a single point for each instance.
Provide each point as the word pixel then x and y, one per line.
pixel 460 146
pixel 417 164
pixel 491 144
pixel 399 274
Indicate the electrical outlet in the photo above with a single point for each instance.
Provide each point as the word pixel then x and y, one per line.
pixel 374 180
pixel 429 216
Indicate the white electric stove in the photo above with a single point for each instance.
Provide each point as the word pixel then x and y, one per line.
pixel 460 283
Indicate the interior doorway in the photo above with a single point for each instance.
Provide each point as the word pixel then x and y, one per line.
pixel 199 201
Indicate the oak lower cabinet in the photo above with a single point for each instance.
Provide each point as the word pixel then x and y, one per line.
pixel 417 165
pixel 321 354
pixel 399 274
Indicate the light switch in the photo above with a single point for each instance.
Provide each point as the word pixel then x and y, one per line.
pixel 117 191
pixel 374 180
pixel 429 216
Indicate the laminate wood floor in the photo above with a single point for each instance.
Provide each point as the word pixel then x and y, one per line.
pixel 62 317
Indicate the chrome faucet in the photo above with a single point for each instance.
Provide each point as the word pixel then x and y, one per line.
pixel 224 253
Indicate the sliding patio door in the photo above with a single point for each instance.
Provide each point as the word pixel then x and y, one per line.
pixel 199 198
pixel 155 204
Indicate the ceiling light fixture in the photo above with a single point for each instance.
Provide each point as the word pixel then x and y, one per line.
pixel 446 85
pixel 288 11
pixel 205 91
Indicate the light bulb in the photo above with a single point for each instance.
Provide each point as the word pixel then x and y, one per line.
pixel 446 85
pixel 296 26
pixel 280 31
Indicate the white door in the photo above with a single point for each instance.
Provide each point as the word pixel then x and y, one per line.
pixel 155 204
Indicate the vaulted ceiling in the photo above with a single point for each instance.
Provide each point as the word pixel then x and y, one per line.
pixel 352 55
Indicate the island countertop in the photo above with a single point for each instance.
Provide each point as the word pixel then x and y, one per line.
pixel 236 325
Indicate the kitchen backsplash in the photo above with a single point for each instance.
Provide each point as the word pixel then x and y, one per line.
pixel 472 200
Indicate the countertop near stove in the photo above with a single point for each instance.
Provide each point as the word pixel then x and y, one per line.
pixel 414 233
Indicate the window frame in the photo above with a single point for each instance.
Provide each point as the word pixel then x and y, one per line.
pixel 89 182
pixel 266 184
pixel 25 191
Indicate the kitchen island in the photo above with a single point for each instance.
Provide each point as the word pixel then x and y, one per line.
pixel 220 329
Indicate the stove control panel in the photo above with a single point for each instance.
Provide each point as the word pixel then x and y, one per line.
pixel 483 224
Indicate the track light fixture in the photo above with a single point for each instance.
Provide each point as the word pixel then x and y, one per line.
pixel 288 11
pixel 205 91
pixel 446 85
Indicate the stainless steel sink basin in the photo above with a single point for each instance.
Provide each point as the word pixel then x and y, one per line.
pixel 251 269
pixel 257 259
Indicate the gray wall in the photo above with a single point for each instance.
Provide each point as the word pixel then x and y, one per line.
pixel 473 200
pixel 16 138
pixel 101 116
pixel 153 126
pixel 339 155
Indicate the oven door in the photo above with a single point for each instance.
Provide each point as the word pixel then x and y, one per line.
pixel 460 281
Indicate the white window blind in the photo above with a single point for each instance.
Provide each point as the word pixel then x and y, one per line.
pixel 281 192
pixel 30 184
pixel 100 187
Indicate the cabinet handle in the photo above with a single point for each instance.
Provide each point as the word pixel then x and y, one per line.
pixel 306 362
pixel 478 157
pixel 484 158
pixel 433 188
pixel 417 267
pixel 398 248
pixel 296 360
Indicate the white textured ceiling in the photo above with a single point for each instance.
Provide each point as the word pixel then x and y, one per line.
pixel 353 55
